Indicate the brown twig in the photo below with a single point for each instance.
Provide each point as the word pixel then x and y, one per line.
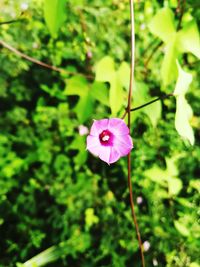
pixel 40 63
pixel 11 21
pixel 180 9
pixel 129 124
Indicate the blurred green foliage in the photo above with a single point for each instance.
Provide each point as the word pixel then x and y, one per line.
pixel 60 206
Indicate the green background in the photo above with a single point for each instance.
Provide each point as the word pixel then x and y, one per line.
pixel 57 199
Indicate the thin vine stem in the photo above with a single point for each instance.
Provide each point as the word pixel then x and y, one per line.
pixel 151 102
pixel 11 21
pixel 41 63
pixel 129 124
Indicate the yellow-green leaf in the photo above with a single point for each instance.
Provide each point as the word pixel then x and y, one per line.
pixel 54 14
pixel 105 69
pixel 188 39
pixel 105 72
pixel 182 117
pixel 124 74
pixel 76 85
pixel 174 185
pixel 169 68
pixel 162 24
pixel 181 228
pixel 183 82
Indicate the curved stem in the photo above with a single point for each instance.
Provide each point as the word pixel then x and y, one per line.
pixel 11 21
pixel 151 102
pixel 38 62
pixel 129 123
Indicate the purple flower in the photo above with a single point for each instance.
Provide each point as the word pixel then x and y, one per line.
pixel 109 139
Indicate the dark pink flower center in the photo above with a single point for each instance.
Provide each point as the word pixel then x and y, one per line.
pixel 106 138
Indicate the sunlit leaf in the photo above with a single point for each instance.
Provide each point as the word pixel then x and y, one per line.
pixel 104 69
pixel 54 14
pixel 169 68
pixel 162 24
pixel 182 117
pixel 157 175
pixel 49 255
pixel 78 242
pixel 194 264
pixel 124 74
pixel 141 96
pixel 174 186
pixel 166 178
pixel 183 82
pixel 115 94
pixel 188 39
pixel 90 217
pixel 181 228
pixel 105 72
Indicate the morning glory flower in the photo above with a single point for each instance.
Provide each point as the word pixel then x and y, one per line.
pixel 109 139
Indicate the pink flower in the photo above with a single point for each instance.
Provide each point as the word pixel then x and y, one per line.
pixel 82 130
pixel 109 139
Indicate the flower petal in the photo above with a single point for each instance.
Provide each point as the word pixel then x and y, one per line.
pixel 123 144
pixel 99 126
pixel 93 144
pixel 114 155
pixel 118 126
pixel 104 153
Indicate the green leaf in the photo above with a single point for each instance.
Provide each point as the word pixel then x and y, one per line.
pixel 174 186
pixel 105 72
pixel 115 94
pixel 99 91
pixel 76 85
pixel 188 39
pixel 141 96
pixel 183 109
pixel 181 228
pixel 157 175
pixel 166 178
pixel 49 255
pixel 140 93
pixel 84 107
pixel 54 14
pixel 79 86
pixel 169 68
pixel 77 243
pixel 153 112
pixel 183 82
pixel 194 264
pixel 105 69
pixel 182 117
pixel 162 24
pixel 124 74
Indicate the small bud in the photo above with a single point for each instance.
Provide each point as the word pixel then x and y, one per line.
pixel 146 245
pixel 155 262
pixel 83 130
pixel 89 55
pixel 139 200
